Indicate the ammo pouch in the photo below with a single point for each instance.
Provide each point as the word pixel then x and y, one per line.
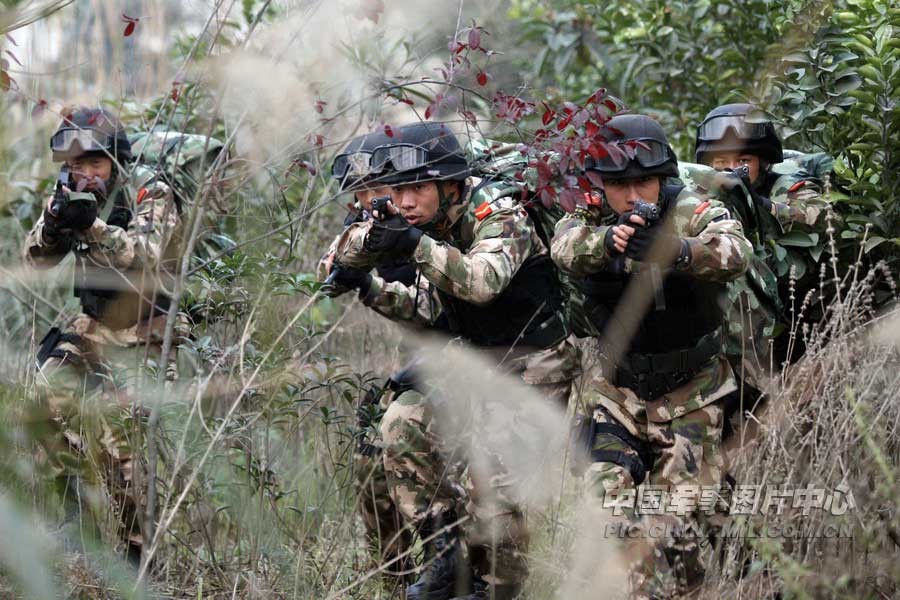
pixel 652 375
pixel 48 347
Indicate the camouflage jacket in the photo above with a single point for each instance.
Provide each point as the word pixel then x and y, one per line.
pixel 719 250
pixel 474 261
pixel 136 257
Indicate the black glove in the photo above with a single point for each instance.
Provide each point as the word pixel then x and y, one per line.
pixel 52 226
pixel 343 279
pixel 66 213
pixel 668 245
pixel 392 235
pixel 608 243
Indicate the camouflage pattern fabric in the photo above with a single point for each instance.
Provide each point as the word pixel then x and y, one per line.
pixel 387 532
pixel 88 395
pixel 719 250
pixel 686 452
pixel 88 400
pixel 681 429
pixel 474 260
pixel 185 158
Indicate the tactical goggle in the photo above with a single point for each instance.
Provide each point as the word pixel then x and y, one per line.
pixel 717 127
pixel 356 164
pixel 400 157
pixel 89 140
pixel 647 152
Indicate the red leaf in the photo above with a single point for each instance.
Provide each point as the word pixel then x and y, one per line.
pixel 428 111
pixel 95 118
pixel 129 29
pixel 175 94
pixel 318 140
pixel 13 56
pixel 474 38
pixel 455 46
pixel 611 105
pixel 594 178
pixel 11 40
pixel 388 131
pixel 584 183
pixel 5 81
pixel 406 101
pixel 591 129
pixel 469 116
pixel 482 78
pixel 320 106
pixel 38 109
pixel 549 115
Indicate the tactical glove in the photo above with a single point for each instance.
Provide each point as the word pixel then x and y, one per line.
pixel 609 243
pixel 343 279
pixel 393 235
pixel 67 210
pixel 667 245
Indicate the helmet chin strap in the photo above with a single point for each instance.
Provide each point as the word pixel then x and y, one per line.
pixel 440 223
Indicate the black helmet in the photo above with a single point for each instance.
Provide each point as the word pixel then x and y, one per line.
pixel 751 132
pixel 353 166
pixel 90 131
pixel 422 151
pixel 652 153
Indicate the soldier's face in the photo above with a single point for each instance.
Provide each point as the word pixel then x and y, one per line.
pixel 419 202
pixel 623 193
pixel 732 160
pixel 367 194
pixel 91 168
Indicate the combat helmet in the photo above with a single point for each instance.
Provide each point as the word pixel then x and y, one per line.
pixel 652 153
pixel 738 128
pixel 89 131
pixel 353 166
pixel 422 151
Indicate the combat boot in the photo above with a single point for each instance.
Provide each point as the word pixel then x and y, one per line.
pixel 481 590
pixel 442 575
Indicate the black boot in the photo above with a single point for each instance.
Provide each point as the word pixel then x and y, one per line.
pixel 441 571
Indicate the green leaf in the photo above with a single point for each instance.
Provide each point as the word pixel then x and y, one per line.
pixel 872 242
pixel 799 239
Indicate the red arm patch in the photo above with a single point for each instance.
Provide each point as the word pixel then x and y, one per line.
pixel 483 211
pixel 141 195
pixel 796 186
pixel 703 206
pixel 593 199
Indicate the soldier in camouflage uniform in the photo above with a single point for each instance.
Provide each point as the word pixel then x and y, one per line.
pixel 654 396
pixel 388 538
pixel 739 141
pixel 735 135
pixel 123 228
pixel 484 275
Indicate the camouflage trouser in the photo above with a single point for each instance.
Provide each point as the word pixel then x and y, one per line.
pixel 87 397
pixel 389 537
pixel 428 474
pixel 679 454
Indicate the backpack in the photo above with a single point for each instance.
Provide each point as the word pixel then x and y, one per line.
pixel 182 160
pixel 499 163
pixel 817 165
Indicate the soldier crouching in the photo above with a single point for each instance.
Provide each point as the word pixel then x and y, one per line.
pixel 653 259
pixel 123 227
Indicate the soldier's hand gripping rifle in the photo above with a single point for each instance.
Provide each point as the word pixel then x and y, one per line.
pixel 68 209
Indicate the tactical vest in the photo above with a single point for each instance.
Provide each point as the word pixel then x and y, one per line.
pixel 528 313
pixel 679 333
pixel 95 301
